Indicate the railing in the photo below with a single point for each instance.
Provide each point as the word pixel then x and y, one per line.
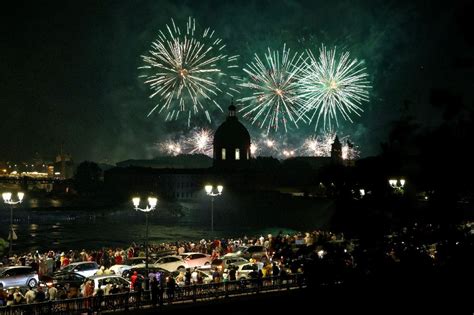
pixel 135 300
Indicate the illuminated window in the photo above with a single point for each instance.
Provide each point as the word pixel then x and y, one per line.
pixel 237 154
pixel 223 153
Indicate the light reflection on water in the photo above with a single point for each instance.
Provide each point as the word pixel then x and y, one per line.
pixel 49 231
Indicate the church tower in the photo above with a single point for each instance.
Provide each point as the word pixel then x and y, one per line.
pixel 336 151
pixel 231 143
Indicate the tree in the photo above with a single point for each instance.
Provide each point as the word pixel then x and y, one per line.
pixel 3 244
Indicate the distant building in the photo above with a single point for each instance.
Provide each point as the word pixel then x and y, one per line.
pixel 184 176
pixel 63 166
pixel 182 161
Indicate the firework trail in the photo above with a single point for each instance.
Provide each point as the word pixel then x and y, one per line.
pixel 331 85
pixel 273 81
pixel 184 71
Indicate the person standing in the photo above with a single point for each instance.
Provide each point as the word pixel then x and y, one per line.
pixel 170 287
pixel 52 293
pixel 133 280
pixel 161 288
pixel 154 291
pixel 30 296
pixel 40 295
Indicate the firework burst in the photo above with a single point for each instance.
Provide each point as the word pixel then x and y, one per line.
pixel 171 147
pixel 322 145
pixel 273 82
pixel 186 71
pixel 200 141
pixel 332 85
pixel 253 149
pixel 315 146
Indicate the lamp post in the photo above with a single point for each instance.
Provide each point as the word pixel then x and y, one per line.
pixel 397 184
pixel 210 192
pixel 152 201
pixel 7 199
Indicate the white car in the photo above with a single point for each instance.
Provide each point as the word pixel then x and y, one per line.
pixel 84 268
pixel 171 263
pixel 196 259
pixel 206 278
pixel 18 276
pixel 102 281
pixel 227 261
pixel 248 271
pixel 128 264
pixel 237 253
pixel 119 269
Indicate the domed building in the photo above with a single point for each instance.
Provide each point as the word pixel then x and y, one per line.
pixel 231 143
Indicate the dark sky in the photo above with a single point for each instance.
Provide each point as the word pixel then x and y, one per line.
pixel 69 69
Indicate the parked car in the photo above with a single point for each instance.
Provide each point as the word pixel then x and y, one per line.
pixel 206 277
pixel 248 271
pixel 196 259
pixel 128 264
pixel 171 263
pixel 84 268
pixel 224 262
pixel 237 252
pixel 162 253
pixel 102 281
pixel 137 260
pixel 141 270
pixel 255 251
pixel 18 276
pixel 64 279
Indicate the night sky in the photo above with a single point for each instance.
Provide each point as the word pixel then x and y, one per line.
pixel 69 70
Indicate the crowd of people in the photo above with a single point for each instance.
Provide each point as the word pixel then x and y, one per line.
pixel 324 258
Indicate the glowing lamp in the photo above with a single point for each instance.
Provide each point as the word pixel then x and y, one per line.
pixel 152 201
pixel 7 196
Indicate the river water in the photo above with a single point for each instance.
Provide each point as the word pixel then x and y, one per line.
pixel 64 229
pixel 43 226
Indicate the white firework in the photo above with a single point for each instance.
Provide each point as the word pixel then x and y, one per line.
pixel 185 71
pixel 322 146
pixel 200 141
pixel 332 85
pixel 273 82
pixel 171 147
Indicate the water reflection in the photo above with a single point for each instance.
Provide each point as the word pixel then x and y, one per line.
pixel 63 230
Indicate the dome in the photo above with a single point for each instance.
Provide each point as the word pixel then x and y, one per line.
pixel 231 132
pixel 231 141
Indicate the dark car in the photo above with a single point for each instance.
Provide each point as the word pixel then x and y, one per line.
pixel 64 279
pixel 137 260
pixel 255 251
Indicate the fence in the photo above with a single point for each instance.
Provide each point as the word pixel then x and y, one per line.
pixel 135 300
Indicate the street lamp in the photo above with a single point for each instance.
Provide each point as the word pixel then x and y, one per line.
pixel 7 199
pixel 152 201
pixel 397 184
pixel 210 192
